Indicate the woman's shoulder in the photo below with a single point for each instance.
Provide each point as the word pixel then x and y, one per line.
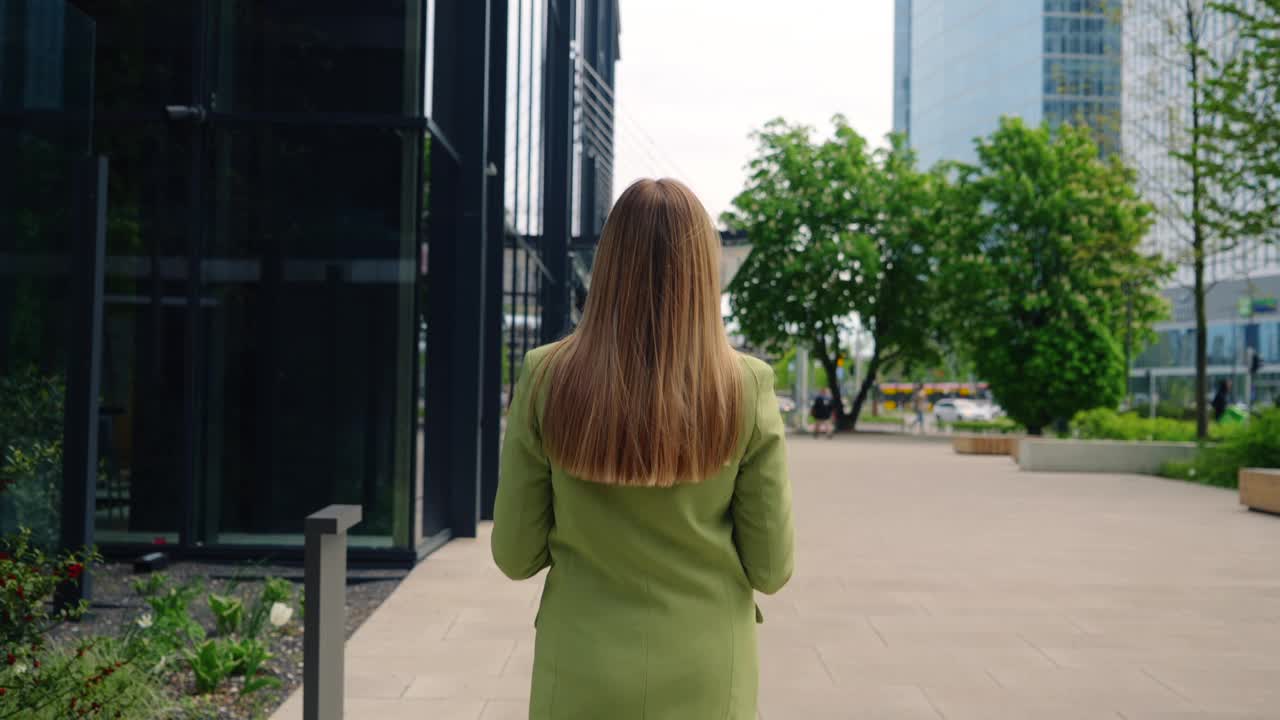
pixel 534 358
pixel 758 373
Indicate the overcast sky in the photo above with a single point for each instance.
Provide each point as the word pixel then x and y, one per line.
pixel 697 76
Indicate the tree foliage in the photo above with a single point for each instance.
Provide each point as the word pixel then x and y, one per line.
pixel 838 230
pixel 1046 274
pixel 1242 92
pixel 1198 192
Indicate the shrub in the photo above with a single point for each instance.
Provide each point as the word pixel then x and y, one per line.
pixel 1003 426
pixel 31 417
pixel 881 420
pixel 1106 424
pixel 1256 443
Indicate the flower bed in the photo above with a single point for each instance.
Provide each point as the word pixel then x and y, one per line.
pixel 230 619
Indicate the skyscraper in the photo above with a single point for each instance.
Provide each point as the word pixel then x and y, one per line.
pixel 1119 67
pixel 961 64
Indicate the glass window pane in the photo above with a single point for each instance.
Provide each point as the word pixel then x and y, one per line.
pixel 308 318
pixel 45 76
pixel 144 333
pixel 319 56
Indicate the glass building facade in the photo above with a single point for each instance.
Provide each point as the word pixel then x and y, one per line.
pixel 961 64
pixel 289 281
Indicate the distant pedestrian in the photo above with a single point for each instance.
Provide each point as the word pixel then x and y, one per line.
pixel 823 411
pixel 919 402
pixel 1221 399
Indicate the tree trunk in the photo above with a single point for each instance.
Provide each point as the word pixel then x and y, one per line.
pixel 833 383
pixel 1202 343
pixel 868 383
pixel 1198 230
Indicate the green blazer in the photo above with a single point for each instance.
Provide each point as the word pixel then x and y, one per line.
pixel 647 612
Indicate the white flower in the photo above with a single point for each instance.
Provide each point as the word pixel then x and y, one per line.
pixel 145 621
pixel 19 669
pixel 280 614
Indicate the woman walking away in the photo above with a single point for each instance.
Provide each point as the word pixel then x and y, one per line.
pixel 644 464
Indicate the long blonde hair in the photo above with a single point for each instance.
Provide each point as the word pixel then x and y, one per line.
pixel 647 390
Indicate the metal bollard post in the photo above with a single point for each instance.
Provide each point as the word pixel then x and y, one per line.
pixel 326 611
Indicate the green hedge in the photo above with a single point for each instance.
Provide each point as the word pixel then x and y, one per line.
pixel 1003 426
pixel 880 420
pixel 1106 424
pixel 1256 443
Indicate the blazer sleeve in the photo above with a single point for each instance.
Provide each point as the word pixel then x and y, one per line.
pixel 522 513
pixel 763 529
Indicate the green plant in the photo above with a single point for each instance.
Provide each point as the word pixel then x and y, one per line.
pixel 31 417
pixel 1256 443
pixel 839 228
pixel 172 628
pixel 211 662
pixel 150 585
pixel 1107 424
pixel 251 656
pixel 881 419
pixel 228 613
pixel 274 590
pixel 29 578
pixel 1003 426
pixel 1047 273
pixel 101 678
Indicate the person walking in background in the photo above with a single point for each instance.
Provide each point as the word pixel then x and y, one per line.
pixel 919 403
pixel 644 463
pixel 1221 399
pixel 823 411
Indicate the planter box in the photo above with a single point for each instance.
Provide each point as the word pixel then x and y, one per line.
pixel 1260 489
pixel 1104 456
pixel 985 444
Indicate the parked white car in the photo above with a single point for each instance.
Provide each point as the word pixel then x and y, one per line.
pixel 960 410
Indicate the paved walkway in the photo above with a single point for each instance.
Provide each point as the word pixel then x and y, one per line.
pixel 929 586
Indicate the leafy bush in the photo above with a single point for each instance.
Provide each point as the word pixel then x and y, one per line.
pixel 1167 409
pixel 1106 424
pixel 1256 443
pixel 101 677
pixel 1003 426
pixel 31 419
pixel 881 420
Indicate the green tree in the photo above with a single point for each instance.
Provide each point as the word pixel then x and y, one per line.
pixel 839 231
pixel 1242 92
pixel 1178 45
pixel 1046 272
pixel 811 248
pixel 901 298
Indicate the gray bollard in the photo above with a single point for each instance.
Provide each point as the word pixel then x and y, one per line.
pixel 326 611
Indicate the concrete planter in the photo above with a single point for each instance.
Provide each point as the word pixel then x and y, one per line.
pixel 985 444
pixel 1260 489
pixel 1105 456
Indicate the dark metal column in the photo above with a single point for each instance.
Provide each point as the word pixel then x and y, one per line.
pixel 458 242
pixel 557 185
pixel 80 431
pixel 491 391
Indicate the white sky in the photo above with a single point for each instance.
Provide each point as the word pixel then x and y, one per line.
pixel 698 76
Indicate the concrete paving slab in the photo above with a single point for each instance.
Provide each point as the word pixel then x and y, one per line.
pixel 928 586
